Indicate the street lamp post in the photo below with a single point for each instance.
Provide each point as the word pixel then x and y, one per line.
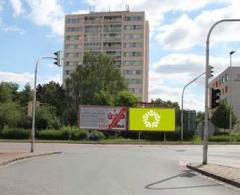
pixel 230 91
pixel 182 114
pixel 34 100
pixel 205 142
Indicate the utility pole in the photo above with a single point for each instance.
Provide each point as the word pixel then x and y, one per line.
pixel 182 112
pixel 230 91
pixel 58 62
pixel 205 142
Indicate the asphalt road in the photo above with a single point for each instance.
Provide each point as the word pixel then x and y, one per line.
pixel 113 170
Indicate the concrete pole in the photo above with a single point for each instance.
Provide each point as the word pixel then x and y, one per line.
pixel 205 142
pixel 182 113
pixel 34 102
pixel 34 107
pixel 230 92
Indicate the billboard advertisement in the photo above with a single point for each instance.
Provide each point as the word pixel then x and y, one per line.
pixel 103 117
pixel 151 119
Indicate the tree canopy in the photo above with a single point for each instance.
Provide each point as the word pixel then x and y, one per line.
pixel 96 76
pixel 221 116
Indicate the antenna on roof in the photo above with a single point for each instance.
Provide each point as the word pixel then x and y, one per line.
pixel 89 8
pixel 127 7
pixel 109 8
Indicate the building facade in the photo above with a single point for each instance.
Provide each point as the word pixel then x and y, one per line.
pixel 229 84
pixel 123 35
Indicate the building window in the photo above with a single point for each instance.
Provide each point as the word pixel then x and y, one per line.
pixel 73 20
pixel 132 63
pixel 134 18
pixel 74 29
pixel 134 81
pixel 133 45
pixel 113 28
pixel 72 46
pixel 67 72
pixel 132 72
pixel 132 54
pixel 133 36
pixel 72 37
pixel 133 27
pixel 226 89
pixel 112 18
pixel 135 90
pixel 92 45
pixel 226 77
pixel 93 29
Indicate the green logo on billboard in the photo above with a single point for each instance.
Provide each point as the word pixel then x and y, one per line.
pixel 151 119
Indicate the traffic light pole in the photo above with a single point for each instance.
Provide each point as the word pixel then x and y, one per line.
pixel 182 114
pixel 205 142
pixel 34 101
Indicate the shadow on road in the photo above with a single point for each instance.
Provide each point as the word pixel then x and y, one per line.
pixel 184 174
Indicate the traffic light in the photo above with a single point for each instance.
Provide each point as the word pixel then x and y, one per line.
pixel 215 97
pixel 58 58
pixel 210 71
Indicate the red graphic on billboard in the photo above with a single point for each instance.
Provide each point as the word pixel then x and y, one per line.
pixel 116 117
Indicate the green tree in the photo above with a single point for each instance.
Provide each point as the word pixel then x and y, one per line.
pixel 10 114
pixel 126 98
pixel 220 117
pixel 53 95
pixel 46 117
pixel 25 95
pixel 94 81
pixel 103 98
pixel 8 91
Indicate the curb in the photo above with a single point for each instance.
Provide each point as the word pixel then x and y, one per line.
pixel 26 157
pixel 217 177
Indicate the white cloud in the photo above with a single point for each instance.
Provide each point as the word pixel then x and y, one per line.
pixel 7 29
pixel 47 13
pixel 13 29
pixel 184 33
pixel 169 75
pixel 17 7
pixel 26 77
pixel 20 78
pixel 159 88
pixel 155 9
pixel 188 66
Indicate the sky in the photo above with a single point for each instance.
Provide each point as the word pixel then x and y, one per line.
pixel 178 29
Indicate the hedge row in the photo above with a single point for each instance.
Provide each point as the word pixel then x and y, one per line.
pixel 14 133
pixel 52 134
pixel 225 138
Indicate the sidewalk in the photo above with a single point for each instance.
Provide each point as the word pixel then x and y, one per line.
pixel 225 174
pixel 9 157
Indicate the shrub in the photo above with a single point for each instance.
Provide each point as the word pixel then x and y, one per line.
pixel 197 139
pixel 96 135
pixel 15 133
pixel 66 133
pixel 219 138
pixel 50 134
pixel 235 137
pixel 79 134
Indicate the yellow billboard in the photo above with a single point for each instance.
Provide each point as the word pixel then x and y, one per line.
pixel 151 119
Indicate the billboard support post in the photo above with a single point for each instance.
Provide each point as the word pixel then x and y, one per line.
pixel 139 135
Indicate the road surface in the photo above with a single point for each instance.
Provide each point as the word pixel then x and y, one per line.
pixel 113 170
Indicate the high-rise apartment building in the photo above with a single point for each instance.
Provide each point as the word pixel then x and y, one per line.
pixel 123 35
pixel 228 82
